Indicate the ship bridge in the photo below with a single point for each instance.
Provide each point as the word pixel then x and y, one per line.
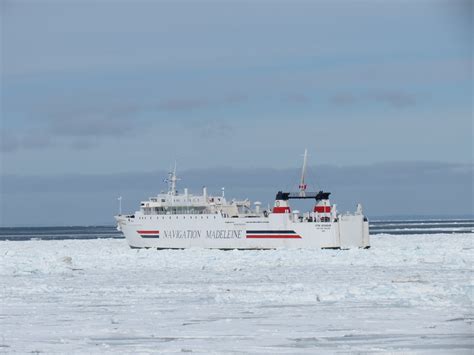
pixel 173 202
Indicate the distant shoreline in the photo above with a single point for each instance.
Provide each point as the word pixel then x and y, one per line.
pixel 388 218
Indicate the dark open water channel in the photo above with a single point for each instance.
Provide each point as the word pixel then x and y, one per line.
pixel 396 227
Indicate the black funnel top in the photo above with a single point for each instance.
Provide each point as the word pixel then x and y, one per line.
pixel 296 195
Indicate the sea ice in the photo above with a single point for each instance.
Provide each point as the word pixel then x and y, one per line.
pixel 406 293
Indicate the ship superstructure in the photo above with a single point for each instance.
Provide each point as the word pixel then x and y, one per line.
pixel 183 220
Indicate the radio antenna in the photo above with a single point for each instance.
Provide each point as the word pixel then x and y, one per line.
pixel 303 172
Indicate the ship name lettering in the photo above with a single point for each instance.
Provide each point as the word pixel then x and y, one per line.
pixel 182 234
pixel 223 234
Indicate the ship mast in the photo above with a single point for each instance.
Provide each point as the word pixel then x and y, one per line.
pixel 303 172
pixel 172 181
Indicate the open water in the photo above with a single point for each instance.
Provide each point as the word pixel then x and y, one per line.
pixel 393 227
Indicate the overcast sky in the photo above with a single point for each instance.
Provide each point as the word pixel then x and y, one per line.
pixel 101 88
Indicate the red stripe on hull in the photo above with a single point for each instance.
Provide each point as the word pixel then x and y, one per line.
pixel 276 236
pixel 148 232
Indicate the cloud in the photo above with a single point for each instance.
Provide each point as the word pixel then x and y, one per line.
pixel 392 98
pixel 183 104
pixel 396 99
pixel 36 140
pixel 31 140
pixel 399 188
pixel 83 143
pixel 190 104
pixel 84 127
pixel 212 128
pixel 122 119
pixel 92 125
pixel 90 119
pixel 296 98
pixel 343 99
pixel 9 143
pixel 235 99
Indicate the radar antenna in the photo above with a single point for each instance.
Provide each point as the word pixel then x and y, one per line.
pixel 171 180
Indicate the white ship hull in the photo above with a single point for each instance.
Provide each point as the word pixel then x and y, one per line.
pixel 177 221
pixel 216 231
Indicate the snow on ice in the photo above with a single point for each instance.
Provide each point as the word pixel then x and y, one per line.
pixel 406 293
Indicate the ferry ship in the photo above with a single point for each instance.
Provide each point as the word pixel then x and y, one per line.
pixel 176 220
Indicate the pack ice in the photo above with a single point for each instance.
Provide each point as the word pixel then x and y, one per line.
pixel 406 293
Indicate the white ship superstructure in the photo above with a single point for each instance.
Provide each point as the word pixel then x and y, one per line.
pixel 174 220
